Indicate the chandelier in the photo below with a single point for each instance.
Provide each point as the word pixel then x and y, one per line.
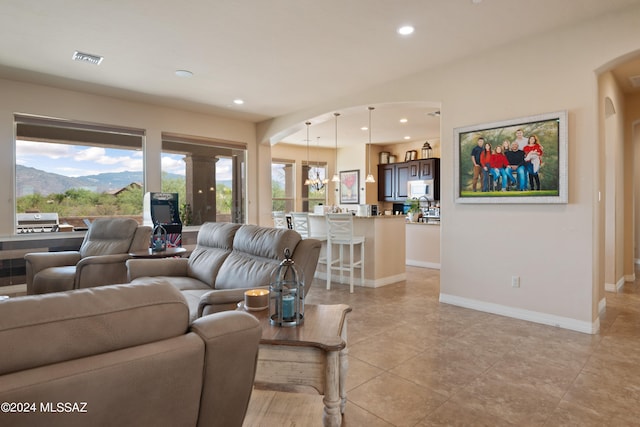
pixel 313 174
pixel 315 182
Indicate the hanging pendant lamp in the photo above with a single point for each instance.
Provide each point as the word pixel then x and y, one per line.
pixel 308 181
pixel 370 178
pixel 336 177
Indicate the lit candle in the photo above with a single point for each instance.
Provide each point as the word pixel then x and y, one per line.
pixel 287 307
pixel 256 299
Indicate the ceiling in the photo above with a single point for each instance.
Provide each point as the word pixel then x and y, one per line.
pixel 279 56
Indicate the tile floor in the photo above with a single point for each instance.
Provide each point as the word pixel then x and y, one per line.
pixel 416 362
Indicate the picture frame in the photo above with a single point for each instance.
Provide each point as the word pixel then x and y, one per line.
pixel 350 187
pixel 544 176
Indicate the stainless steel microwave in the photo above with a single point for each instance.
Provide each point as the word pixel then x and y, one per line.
pixel 421 188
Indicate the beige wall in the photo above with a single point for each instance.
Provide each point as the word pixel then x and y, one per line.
pixel 632 139
pixel 611 150
pixel 46 101
pixel 547 246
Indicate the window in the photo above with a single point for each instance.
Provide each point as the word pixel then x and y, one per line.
pixel 77 170
pixel 209 177
pixel 314 194
pixel 282 185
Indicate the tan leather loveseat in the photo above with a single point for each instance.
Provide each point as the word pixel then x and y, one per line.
pixel 123 355
pixel 228 260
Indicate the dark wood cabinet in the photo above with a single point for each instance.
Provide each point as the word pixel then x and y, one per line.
pixel 393 178
pixel 429 169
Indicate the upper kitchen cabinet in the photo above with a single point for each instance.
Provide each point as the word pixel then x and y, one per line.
pixel 393 178
pixel 392 181
pixel 429 169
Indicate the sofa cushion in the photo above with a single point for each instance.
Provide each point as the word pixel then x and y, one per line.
pixel 257 251
pixel 214 244
pixel 108 236
pixel 62 326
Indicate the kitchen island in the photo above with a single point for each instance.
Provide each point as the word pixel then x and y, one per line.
pixel 384 249
pixel 423 244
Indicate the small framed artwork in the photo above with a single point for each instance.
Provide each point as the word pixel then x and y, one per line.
pixel 349 187
pixel 513 161
pixel 410 155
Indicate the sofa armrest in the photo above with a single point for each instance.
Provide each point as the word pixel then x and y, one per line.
pixel 156 267
pixel 100 270
pixel 231 352
pixel 221 299
pixel 38 261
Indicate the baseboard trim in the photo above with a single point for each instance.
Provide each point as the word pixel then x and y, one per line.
pixel 528 315
pixel 424 264
pixel 368 283
pixel 602 305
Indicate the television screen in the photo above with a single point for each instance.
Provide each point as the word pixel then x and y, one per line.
pixel 162 214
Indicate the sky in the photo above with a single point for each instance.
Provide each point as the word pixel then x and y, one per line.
pixel 76 160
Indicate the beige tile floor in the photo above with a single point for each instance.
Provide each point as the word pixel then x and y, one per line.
pixel 416 362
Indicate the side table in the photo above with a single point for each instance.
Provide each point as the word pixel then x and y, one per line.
pixel 312 354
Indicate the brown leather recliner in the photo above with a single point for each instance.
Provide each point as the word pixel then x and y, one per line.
pixel 123 355
pixel 100 260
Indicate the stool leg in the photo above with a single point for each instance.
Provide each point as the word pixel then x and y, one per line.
pixel 351 272
pixel 329 265
pixel 362 264
pixel 341 261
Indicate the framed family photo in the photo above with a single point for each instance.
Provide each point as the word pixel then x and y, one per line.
pixel 349 184
pixel 520 160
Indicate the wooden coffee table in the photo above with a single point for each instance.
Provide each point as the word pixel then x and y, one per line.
pixel 312 354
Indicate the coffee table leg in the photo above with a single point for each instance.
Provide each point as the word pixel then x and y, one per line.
pixel 332 416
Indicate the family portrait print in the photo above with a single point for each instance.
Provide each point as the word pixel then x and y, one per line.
pixel 516 161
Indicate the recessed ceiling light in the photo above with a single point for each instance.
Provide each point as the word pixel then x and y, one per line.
pixel 238 101
pixel 407 137
pixel 405 30
pixel 184 73
pixel 87 57
pixel 403 120
pixel 476 1
pixel 364 128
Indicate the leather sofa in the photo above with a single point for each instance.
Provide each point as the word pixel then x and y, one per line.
pixel 228 260
pixel 123 355
pixel 100 260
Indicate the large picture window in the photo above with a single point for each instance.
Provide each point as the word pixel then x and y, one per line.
pixel 209 177
pixel 77 171
pixel 282 185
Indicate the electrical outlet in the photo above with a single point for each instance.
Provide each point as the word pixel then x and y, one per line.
pixel 515 281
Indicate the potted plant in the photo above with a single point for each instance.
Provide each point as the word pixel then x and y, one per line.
pixel 414 210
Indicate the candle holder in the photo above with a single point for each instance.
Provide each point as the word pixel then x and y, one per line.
pixel 286 294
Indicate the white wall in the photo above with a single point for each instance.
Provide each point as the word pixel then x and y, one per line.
pixel 554 71
pixel 46 101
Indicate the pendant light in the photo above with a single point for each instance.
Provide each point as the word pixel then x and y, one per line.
pixel 370 178
pixel 336 177
pixel 308 181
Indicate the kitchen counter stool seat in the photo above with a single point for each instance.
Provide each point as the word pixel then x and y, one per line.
pixel 340 234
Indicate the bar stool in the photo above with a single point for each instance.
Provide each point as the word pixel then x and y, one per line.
pixel 279 219
pixel 301 224
pixel 340 232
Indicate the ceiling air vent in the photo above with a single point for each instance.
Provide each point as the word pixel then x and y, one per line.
pixel 635 81
pixel 87 57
